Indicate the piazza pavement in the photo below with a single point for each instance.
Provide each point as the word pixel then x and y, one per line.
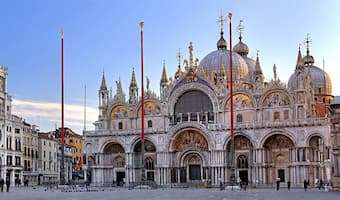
pixel 18 193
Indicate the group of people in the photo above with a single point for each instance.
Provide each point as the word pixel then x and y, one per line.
pixel 2 183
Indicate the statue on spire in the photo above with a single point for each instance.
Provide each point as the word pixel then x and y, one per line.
pixel 191 55
pixel 274 70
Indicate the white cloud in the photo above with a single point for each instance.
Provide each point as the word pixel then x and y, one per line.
pixel 48 114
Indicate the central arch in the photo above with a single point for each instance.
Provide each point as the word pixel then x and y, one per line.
pixel 189 154
pixel 277 149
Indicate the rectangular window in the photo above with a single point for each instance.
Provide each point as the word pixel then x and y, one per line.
pixel 286 114
pixel 17 130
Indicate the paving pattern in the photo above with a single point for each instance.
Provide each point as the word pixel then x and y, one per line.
pixel 168 194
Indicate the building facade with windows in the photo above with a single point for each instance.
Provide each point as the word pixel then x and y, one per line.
pixel 30 153
pixel 281 129
pixel 11 135
pixel 335 133
pixel 47 159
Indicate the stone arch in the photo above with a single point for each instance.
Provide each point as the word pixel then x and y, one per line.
pixel 151 107
pixel 315 134
pixel 278 141
pixel 274 132
pixel 188 126
pixel 149 146
pixel 119 111
pixel 189 138
pixel 276 97
pixel 115 141
pixel 238 134
pixel 173 98
pixel 240 100
pixel 137 140
pixel 113 148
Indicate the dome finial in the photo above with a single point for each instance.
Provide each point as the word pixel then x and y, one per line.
pixel 240 28
pixel 221 43
pixel 179 56
pixel 308 59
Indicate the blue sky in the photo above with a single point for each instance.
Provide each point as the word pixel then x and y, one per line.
pixel 104 36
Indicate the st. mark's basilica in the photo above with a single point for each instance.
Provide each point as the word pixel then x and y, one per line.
pixel 281 129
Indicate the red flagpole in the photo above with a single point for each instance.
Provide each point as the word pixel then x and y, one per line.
pixel 231 82
pixel 62 87
pixel 142 77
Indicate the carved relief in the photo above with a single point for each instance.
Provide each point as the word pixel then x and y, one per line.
pixel 119 112
pixel 189 139
pixel 276 99
pixel 240 101
pixel 150 108
pixel 278 142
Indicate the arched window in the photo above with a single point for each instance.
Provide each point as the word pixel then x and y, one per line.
pixel 120 125
pixel 149 163
pixel 193 101
pixel 242 162
pixel 239 118
pixel 150 124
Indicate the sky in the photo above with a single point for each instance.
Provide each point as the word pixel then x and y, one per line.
pixel 103 36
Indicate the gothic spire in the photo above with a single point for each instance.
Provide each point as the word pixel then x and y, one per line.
pixel 103 84
pixel 133 82
pixel 299 61
pixel 258 69
pixel 164 76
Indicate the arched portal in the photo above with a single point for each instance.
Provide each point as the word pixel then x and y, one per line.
pixel 276 156
pixel 113 161
pixel 149 160
pixel 316 155
pixel 193 167
pixel 242 158
pixel 189 152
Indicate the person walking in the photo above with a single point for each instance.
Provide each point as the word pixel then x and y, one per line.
pixel 278 184
pixel 2 183
pixel 320 184
pixel 8 183
pixel 288 185
pixel 305 184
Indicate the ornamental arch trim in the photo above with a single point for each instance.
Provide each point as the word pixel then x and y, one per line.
pixel 112 141
pixel 317 134
pixel 273 91
pixel 228 138
pixel 135 141
pixel 179 128
pixel 174 97
pixel 251 104
pixel 187 152
pixel 267 135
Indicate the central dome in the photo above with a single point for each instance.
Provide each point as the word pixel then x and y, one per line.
pixel 213 61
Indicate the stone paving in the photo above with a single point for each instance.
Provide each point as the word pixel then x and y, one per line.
pixel 169 194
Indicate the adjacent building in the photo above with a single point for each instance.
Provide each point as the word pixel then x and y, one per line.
pixel 30 153
pixel 47 159
pixel 335 133
pixel 282 130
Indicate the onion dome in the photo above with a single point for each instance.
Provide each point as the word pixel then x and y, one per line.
pixel 321 81
pixel 308 60
pixel 241 48
pixel 221 43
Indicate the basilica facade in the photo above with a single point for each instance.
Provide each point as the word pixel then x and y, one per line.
pixel 281 129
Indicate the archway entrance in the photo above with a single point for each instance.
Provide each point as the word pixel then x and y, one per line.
pixel 193 165
pixel 276 149
pixel 114 164
pixel 149 160
pixel 189 152
pixel 242 159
